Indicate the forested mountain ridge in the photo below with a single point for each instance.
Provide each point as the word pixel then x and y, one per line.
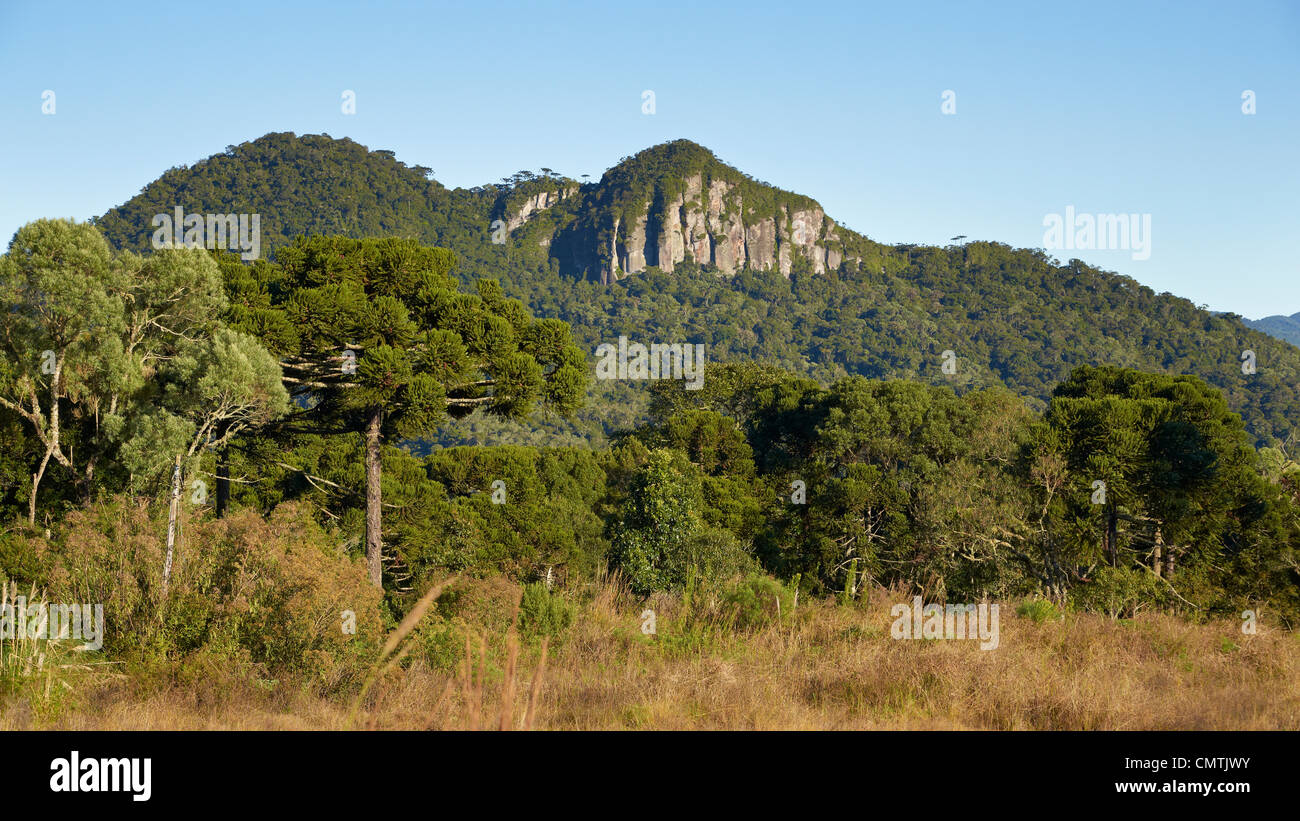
pixel 674 245
pixel 1282 327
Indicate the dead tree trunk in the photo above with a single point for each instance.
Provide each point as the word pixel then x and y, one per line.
pixel 223 482
pixel 36 485
pixel 374 506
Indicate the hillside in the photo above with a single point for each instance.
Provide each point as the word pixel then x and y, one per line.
pixel 1286 328
pixel 674 245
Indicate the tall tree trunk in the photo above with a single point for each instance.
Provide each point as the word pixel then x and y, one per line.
pixel 374 521
pixel 173 513
pixel 1112 535
pixel 1105 540
pixel 1157 559
pixel 223 482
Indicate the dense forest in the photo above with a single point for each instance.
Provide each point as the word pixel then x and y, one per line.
pixel 187 388
pixel 1012 317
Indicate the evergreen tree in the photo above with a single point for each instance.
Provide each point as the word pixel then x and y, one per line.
pixel 387 346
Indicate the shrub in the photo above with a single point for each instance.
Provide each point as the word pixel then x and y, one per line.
pixel 543 613
pixel 1038 610
pixel 40 669
pixel 280 587
pixel 23 558
pixel 1119 591
pixel 660 523
pixel 753 601
pixel 441 645
pixel 111 553
pixel 717 555
pixel 273 588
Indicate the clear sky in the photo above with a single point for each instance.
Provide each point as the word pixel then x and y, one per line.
pixel 1108 107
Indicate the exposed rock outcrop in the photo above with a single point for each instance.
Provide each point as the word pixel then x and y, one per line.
pixel 709 228
pixel 676 204
pixel 538 202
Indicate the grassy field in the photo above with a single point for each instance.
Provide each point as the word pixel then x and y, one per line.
pixel 826 665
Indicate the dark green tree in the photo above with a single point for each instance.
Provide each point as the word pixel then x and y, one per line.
pixel 386 345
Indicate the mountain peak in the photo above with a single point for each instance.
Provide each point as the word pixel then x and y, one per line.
pixel 680 157
pixel 677 202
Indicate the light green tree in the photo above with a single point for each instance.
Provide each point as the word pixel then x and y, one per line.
pixel 658 524
pixel 62 330
pixel 110 354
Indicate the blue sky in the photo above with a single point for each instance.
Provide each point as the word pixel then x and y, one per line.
pixel 1107 107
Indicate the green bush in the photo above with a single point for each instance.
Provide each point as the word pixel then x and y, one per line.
pixel 441 645
pixel 1119 591
pixel 273 588
pixel 1038 610
pixel 658 525
pixel 543 613
pixel 716 555
pixel 752 601
pixel 23 559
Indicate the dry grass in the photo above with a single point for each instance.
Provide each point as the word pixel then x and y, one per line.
pixel 825 667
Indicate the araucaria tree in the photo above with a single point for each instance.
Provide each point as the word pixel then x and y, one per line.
pixel 1164 472
pixel 388 347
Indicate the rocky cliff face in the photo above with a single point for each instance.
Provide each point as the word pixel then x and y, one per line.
pixel 536 203
pixel 709 227
pixel 712 216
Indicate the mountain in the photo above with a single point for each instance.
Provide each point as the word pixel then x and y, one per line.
pixel 673 245
pixel 670 204
pixel 677 203
pixel 1282 327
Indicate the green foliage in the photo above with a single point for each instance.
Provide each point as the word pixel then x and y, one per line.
pixel 1038 610
pixel 441 645
pixel 1015 317
pixel 40 671
pixel 363 193
pixel 117 364
pixel 543 613
pixel 547 517
pixel 1183 488
pixel 385 345
pixel 717 553
pixel 752 602
pixel 271 590
pixel 850 582
pixel 1119 591
pixel 660 520
pixel 825 445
